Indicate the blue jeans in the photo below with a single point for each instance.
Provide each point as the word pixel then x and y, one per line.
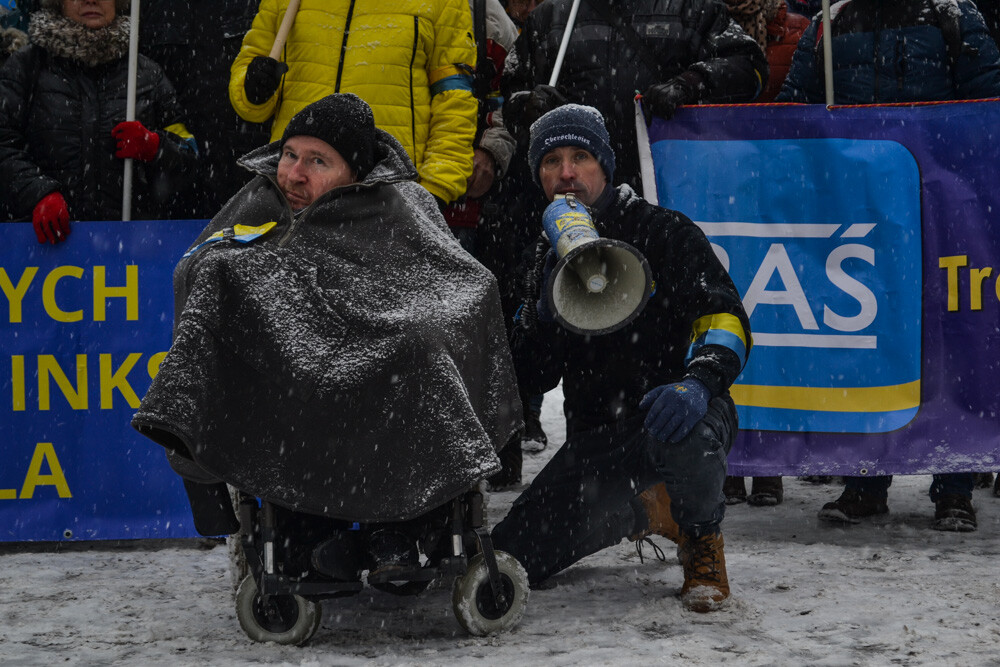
pixel 945 484
pixel 585 498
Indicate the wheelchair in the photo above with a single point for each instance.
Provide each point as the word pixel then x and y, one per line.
pixel 291 563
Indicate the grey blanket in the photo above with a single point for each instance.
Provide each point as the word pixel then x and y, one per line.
pixel 350 362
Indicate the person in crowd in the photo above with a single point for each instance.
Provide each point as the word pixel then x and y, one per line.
pixel 885 52
pixel 990 9
pixel 784 30
pixel 780 32
pixel 678 53
pixel 354 328
pixel 412 61
pixel 13 23
pixel 493 146
pixel 648 406
pixel 809 8
pixel 518 11
pixel 63 133
pixel 195 44
pixel 11 40
pixel 505 233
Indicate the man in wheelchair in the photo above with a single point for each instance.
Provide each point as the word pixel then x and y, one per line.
pixel 336 353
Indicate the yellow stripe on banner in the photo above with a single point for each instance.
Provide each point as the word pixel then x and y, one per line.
pixel 829 399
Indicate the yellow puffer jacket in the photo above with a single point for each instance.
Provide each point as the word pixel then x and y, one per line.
pixel 411 60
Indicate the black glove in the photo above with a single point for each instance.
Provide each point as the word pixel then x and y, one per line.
pixel 662 99
pixel 541 100
pixel 263 78
pixel 524 108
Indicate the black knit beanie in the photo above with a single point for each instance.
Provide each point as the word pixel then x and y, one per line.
pixel 571 125
pixel 344 121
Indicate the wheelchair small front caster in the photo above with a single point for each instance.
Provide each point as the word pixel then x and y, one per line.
pixel 284 619
pixel 475 604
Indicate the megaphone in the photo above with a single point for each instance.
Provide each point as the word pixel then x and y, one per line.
pixel 598 285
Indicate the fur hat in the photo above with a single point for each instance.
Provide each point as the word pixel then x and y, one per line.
pixel 571 125
pixel 344 121
pixel 121 6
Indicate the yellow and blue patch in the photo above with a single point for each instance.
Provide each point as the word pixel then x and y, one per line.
pixel 719 329
pixel 450 78
pixel 237 233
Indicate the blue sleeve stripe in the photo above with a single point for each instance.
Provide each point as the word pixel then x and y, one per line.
pixel 453 82
pixel 719 337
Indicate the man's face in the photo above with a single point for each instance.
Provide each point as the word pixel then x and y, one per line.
pixel 572 169
pixel 310 167
pixel 519 9
pixel 91 13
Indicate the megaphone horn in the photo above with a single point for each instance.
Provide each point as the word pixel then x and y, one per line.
pixel 598 285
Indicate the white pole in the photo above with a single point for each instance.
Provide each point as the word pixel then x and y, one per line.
pixel 645 157
pixel 133 70
pixel 565 42
pixel 827 53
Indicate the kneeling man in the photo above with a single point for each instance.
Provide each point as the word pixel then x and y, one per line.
pixel 647 406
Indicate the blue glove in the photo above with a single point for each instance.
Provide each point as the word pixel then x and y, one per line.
pixel 674 409
pixel 542 308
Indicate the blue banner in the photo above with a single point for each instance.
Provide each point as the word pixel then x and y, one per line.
pixel 87 323
pixel 863 243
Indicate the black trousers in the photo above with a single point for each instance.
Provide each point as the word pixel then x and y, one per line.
pixel 584 498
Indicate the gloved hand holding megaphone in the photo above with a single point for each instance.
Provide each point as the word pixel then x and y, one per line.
pixel 598 285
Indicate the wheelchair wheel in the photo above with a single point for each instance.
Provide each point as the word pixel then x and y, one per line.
pixel 473 601
pixel 284 619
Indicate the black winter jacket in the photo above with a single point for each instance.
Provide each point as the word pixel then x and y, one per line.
pixel 897 51
pixel 56 117
pixel 602 70
pixel 605 377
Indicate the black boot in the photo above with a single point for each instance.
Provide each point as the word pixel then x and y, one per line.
pixel 852 506
pixel 766 491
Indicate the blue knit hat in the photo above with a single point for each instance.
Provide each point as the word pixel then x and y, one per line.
pixel 571 125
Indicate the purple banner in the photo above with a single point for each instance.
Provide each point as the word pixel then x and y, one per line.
pixel 863 241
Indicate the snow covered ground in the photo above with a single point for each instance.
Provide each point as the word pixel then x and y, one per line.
pixel 890 592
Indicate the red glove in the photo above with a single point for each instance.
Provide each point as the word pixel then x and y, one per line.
pixel 135 141
pixel 51 219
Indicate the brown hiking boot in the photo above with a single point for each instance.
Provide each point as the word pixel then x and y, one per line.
pixel 656 500
pixel 706 585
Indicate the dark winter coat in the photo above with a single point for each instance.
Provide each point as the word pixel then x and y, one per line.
pixel 195 42
pixel 60 99
pixel 602 70
pixel 990 9
pixel 350 362
pixel 694 299
pixel 897 51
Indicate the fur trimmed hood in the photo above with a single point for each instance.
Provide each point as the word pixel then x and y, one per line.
pixel 66 38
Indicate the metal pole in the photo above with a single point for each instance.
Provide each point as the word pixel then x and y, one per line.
pixel 565 42
pixel 133 69
pixel 827 53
